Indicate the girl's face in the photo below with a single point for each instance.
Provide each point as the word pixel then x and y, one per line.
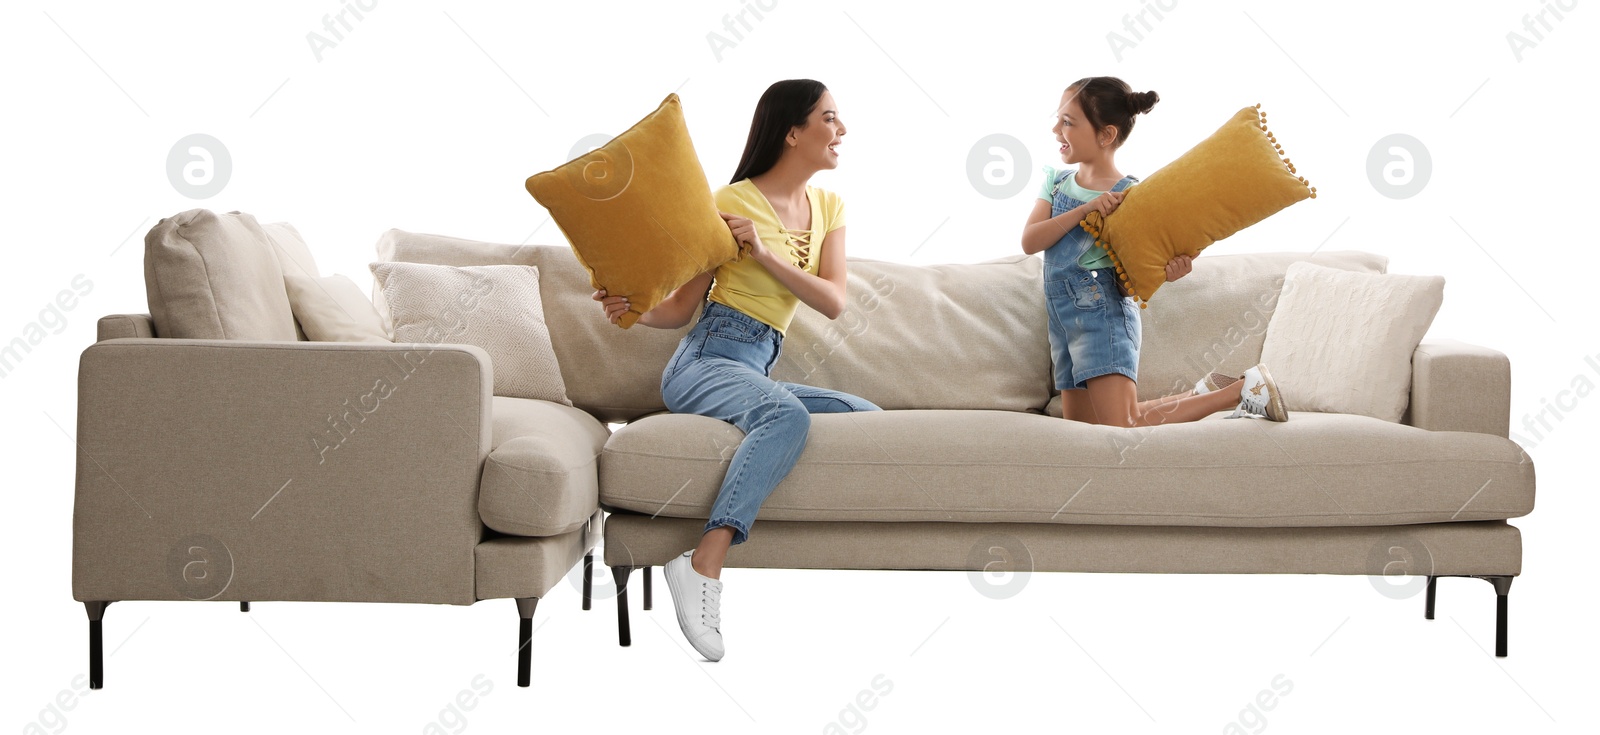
pixel 817 143
pixel 1073 131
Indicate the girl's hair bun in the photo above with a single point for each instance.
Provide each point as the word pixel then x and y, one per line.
pixel 1110 102
pixel 1142 102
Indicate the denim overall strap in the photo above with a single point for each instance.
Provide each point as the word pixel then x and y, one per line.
pixel 1076 241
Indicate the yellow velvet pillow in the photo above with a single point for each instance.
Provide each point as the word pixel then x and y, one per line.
pixel 638 211
pixel 1231 180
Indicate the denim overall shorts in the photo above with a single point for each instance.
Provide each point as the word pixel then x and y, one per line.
pixel 1094 330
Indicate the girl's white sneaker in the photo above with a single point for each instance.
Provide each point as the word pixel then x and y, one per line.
pixel 1260 396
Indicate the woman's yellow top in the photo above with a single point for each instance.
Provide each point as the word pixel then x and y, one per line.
pixel 747 285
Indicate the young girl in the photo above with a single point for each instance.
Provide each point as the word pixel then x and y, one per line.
pixel 795 238
pixel 1094 327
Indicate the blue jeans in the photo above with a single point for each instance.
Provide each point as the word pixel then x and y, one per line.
pixel 720 370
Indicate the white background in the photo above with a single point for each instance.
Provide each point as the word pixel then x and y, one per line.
pixel 429 116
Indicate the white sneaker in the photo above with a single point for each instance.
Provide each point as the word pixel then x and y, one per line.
pixel 1260 396
pixel 698 600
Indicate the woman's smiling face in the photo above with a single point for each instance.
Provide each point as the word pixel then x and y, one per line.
pixel 1073 130
pixel 817 143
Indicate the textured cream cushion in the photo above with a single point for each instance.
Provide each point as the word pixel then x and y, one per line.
pixel 942 336
pixel 614 374
pixel 333 309
pixel 1216 317
pixel 1341 342
pixel 495 307
pixel 215 276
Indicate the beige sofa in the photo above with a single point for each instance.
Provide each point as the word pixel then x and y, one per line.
pixel 969 470
pixel 195 480
pixel 244 465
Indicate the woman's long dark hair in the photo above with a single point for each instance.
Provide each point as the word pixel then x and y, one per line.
pixel 786 104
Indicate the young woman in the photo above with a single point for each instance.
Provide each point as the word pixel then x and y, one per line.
pixel 1094 328
pixel 793 234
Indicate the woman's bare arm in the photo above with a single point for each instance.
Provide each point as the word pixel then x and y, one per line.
pixel 825 291
pixel 674 311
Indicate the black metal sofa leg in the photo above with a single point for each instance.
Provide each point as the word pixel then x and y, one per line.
pixel 647 588
pixel 97 671
pixel 244 606
pixel 1502 591
pixel 620 575
pixel 588 579
pixel 525 607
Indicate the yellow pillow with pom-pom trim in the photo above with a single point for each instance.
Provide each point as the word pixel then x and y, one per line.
pixel 639 211
pixel 1233 179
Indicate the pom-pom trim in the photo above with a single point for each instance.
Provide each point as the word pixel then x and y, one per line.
pixel 1261 121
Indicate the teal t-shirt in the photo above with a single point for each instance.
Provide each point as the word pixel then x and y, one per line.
pixel 1093 258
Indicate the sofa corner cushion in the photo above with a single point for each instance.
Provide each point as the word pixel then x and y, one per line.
pixel 541 477
pixel 215 276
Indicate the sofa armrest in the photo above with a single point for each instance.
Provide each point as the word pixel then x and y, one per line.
pixel 1456 386
pixel 278 470
pixel 118 326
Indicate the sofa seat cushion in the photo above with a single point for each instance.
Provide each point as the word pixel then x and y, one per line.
pixel 539 479
pixel 997 466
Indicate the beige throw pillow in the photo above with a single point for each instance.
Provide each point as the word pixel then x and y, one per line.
pixel 333 309
pixel 1341 342
pixel 495 307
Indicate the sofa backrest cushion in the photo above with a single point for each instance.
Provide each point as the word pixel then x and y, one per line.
pixel 960 336
pixel 614 374
pixel 294 255
pixel 944 336
pixel 215 276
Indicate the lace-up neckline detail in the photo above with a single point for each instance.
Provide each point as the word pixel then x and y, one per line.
pixel 800 242
pixel 798 237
